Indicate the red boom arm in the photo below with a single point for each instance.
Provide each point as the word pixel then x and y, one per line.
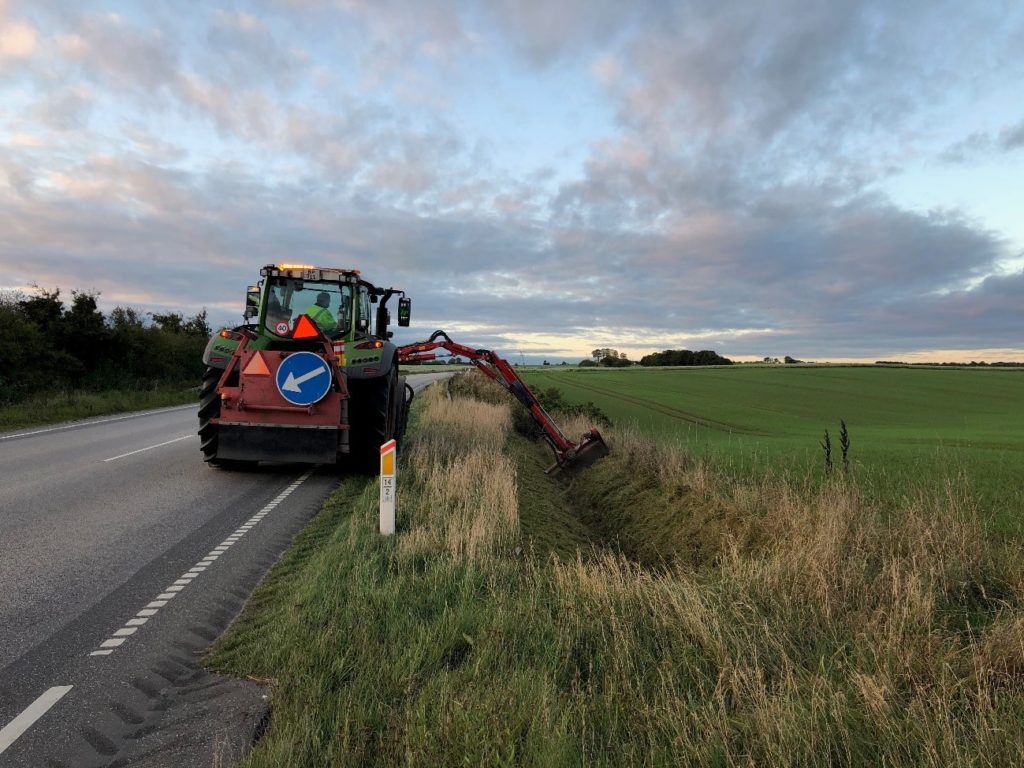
pixel 591 444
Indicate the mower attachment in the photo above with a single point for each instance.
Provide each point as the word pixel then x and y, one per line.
pixel 567 453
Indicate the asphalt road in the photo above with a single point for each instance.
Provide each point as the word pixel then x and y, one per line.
pixel 122 556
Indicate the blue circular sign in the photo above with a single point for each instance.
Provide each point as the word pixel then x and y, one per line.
pixel 303 378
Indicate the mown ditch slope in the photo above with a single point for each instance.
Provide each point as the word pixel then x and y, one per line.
pixel 646 612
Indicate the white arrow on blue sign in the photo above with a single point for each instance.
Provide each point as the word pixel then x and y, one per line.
pixel 303 378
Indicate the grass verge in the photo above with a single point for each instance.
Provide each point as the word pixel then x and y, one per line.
pixel 55 407
pixel 650 614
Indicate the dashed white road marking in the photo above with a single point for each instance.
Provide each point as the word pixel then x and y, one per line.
pixel 10 732
pixel 133 625
pixel 82 424
pixel 149 448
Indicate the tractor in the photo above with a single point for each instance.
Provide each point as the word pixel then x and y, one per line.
pixel 311 376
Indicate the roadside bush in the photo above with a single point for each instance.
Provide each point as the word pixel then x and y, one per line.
pixel 47 347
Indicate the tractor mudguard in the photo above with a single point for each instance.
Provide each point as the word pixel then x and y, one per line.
pixel 220 348
pixel 388 358
pixel 218 351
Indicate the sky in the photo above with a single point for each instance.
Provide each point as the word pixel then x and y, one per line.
pixel 824 179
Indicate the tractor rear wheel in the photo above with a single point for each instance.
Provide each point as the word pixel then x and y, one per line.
pixel 374 408
pixel 209 408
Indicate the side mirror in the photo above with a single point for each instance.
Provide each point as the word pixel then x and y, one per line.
pixel 252 302
pixel 404 311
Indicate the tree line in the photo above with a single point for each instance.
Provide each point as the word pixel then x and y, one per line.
pixel 48 346
pixel 612 358
pixel 684 357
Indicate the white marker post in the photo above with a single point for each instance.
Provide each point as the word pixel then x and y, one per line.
pixel 387 488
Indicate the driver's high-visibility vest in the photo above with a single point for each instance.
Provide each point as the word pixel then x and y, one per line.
pixel 317 315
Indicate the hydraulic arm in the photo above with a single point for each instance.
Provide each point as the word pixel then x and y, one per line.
pixel 591 445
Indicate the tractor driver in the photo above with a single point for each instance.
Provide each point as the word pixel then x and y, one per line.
pixel 320 313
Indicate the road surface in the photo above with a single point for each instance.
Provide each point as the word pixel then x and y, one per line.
pixel 123 556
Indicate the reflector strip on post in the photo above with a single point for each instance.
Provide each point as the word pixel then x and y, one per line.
pixel 387 488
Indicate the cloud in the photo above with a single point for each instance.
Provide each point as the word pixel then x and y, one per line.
pixel 243 49
pixel 64 110
pixel 26 140
pixel 984 144
pixel 731 203
pixel 546 32
pixel 1012 137
pixel 17 40
pixel 118 54
pixel 811 279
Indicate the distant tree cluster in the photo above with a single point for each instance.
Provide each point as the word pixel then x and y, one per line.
pixel 610 358
pixel 47 346
pixel 684 357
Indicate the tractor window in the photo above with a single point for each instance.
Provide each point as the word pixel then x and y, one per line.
pixel 363 316
pixel 328 304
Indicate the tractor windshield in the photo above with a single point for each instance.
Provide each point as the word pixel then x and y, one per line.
pixel 328 304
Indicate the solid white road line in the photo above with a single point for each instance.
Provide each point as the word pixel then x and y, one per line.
pixel 150 448
pixel 80 424
pixel 35 710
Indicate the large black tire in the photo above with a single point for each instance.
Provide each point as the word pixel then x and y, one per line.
pixel 209 408
pixel 374 410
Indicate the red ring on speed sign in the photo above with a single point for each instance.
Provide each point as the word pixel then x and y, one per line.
pixel 281 328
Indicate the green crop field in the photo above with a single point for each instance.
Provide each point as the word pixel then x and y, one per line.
pixel 909 427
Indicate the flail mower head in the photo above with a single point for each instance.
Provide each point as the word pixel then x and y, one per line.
pixel 573 461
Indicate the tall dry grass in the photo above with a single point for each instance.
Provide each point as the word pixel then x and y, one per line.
pixel 822 631
pixel 812 630
pixel 463 498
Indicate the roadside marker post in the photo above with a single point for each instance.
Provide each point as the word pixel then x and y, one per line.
pixel 387 488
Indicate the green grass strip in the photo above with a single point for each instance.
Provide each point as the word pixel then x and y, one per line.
pixel 51 408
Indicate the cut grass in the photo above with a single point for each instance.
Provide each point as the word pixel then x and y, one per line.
pixel 54 407
pixel 816 629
